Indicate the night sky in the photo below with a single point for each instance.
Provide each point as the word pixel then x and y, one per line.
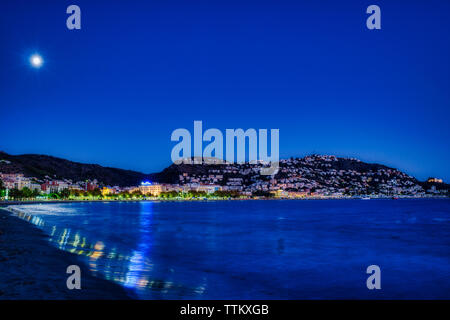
pixel 113 92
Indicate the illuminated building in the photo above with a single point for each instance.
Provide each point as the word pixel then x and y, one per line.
pixel 107 191
pixel 149 188
pixel 54 186
pixel 90 186
pixel 75 187
pixel 297 194
pixel 435 180
pixel 207 188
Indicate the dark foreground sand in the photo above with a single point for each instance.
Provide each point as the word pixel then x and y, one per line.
pixel 30 268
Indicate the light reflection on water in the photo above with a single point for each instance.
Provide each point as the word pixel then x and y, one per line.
pixel 258 249
pixel 138 264
pixel 129 270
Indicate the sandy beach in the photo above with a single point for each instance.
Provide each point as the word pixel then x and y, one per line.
pixel 33 269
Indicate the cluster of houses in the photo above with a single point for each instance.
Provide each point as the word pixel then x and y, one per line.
pixel 316 175
pixel 48 186
pixel 155 189
pixel 311 176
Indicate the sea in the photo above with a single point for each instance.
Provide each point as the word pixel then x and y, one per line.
pixel 258 249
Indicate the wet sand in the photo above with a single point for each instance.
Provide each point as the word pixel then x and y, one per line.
pixel 33 269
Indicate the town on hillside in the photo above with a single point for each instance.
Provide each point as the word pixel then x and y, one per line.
pixel 311 177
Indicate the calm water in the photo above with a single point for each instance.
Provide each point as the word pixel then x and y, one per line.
pixel 259 249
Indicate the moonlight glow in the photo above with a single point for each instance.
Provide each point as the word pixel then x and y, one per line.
pixel 36 60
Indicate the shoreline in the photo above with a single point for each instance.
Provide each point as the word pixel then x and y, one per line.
pixel 20 202
pixel 33 269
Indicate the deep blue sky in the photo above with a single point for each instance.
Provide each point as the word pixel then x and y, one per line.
pixel 113 92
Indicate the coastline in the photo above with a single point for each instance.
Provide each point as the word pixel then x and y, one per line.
pixel 32 269
pixel 4 204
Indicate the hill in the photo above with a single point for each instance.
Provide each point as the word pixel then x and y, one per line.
pixel 323 174
pixel 40 166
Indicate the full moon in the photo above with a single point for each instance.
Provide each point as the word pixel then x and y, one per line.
pixel 36 60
